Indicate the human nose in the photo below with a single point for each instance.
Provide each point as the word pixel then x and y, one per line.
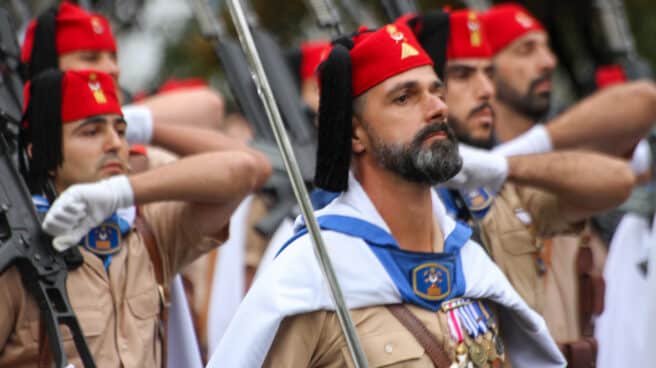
pixel 436 108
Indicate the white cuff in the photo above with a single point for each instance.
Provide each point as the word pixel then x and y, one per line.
pixel 140 124
pixel 120 186
pixel 641 160
pixel 535 140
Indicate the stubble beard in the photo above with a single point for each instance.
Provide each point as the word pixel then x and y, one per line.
pixel 531 104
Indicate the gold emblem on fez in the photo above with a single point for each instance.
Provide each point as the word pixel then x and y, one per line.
pixel 96 25
pixel 524 19
pixel 407 50
pixel 96 89
pixel 474 27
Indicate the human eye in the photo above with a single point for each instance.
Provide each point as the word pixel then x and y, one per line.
pixel 401 99
pixel 121 129
pixel 89 131
pixel 90 56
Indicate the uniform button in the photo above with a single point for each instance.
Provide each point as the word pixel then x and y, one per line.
pixel 124 346
pixel 389 348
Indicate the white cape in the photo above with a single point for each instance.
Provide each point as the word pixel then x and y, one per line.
pixel 182 347
pixel 627 300
pixel 228 282
pixel 293 284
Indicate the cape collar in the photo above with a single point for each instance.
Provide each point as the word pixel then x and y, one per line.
pixel 356 203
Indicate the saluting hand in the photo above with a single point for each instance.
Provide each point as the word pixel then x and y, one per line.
pixel 479 168
pixel 82 207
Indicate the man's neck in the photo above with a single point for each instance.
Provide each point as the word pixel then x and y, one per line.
pixel 509 122
pixel 405 207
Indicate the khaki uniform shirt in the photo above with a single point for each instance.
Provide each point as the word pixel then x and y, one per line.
pixel 117 310
pixel 513 230
pixel 315 339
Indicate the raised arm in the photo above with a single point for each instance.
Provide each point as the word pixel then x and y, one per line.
pixel 213 184
pixel 185 141
pixel 584 182
pixel 209 178
pixel 611 121
pixel 200 107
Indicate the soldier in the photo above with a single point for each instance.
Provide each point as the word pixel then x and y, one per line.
pixel 523 66
pixel 70 38
pixel 383 143
pixel 75 135
pixel 561 188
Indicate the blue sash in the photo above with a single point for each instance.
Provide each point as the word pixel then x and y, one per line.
pixel 478 202
pixel 423 279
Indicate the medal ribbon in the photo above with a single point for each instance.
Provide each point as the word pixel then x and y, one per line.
pixel 454 326
pixel 467 321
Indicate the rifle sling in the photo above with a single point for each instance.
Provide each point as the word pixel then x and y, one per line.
pixel 426 339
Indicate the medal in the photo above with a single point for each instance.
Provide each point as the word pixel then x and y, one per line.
pixel 488 345
pixel 477 354
pixel 461 357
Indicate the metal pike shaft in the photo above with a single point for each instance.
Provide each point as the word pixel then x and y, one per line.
pixel 291 165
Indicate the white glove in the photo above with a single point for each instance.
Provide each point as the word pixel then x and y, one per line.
pixel 84 206
pixel 641 160
pixel 140 124
pixel 480 168
pixel 535 140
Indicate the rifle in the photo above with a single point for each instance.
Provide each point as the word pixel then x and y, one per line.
pixel 22 242
pixel 480 5
pixel 620 41
pixel 43 270
pixel 240 79
pixel 327 15
pixel 397 8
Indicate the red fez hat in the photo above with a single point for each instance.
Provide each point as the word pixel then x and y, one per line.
pixel 313 53
pixel 53 98
pixel 356 64
pixel 507 22
pixel 467 38
pixel 432 31
pixel 84 93
pixel 76 29
pixel 174 84
pixel 382 54
pixel 608 75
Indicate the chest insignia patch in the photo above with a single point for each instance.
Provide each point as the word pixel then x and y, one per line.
pixel 431 281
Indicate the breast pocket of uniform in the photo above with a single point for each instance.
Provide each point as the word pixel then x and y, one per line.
pixel 517 242
pixel 391 349
pixel 144 308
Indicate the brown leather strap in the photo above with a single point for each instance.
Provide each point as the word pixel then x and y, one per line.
pixel 426 339
pixel 581 353
pixel 591 290
pixel 45 355
pixel 146 232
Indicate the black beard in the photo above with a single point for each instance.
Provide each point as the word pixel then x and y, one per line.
pixel 532 105
pixel 432 165
pixel 464 137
